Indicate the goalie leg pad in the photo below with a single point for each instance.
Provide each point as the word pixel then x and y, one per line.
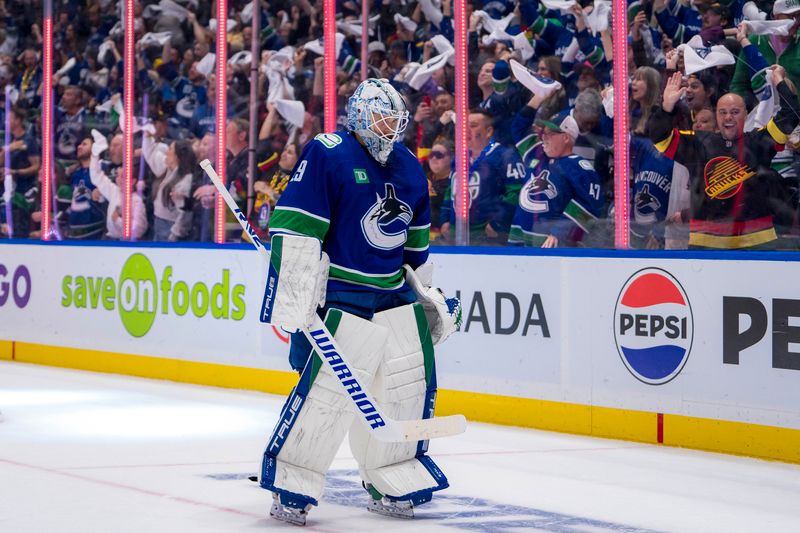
pixel 405 387
pixel 317 414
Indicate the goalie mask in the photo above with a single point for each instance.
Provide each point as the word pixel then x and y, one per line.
pixel 377 114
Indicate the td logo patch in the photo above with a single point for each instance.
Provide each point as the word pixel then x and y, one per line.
pixel 653 326
pixel 361 175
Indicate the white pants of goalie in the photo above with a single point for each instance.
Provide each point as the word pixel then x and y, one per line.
pixel 393 355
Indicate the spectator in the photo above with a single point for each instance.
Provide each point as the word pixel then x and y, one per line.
pixel 24 168
pixel 112 193
pixel 496 175
pixel 734 204
pixel 30 81
pixel 440 161
pixel 87 209
pixel 69 123
pixel 561 199
pixel 174 167
pixel 645 96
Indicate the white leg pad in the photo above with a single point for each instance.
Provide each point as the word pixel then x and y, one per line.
pixel 318 413
pixel 401 387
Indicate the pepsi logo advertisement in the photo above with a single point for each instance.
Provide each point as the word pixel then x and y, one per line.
pixel 653 326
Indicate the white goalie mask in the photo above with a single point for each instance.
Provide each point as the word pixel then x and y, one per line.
pixel 377 114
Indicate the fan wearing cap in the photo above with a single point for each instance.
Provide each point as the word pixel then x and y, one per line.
pixel 353 223
pixel 776 50
pixel 561 198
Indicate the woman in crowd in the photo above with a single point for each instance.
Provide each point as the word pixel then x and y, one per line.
pixel 645 97
pixel 439 167
pixel 174 167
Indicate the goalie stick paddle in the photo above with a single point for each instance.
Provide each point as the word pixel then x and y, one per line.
pixel 367 410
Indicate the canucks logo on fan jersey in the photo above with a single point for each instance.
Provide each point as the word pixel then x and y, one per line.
pixel 384 225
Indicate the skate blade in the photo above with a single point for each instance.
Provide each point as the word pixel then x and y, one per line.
pixel 391 509
pixel 291 516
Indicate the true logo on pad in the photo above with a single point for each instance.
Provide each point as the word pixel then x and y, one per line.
pixel 653 326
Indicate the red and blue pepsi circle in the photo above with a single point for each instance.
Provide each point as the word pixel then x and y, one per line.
pixel 653 326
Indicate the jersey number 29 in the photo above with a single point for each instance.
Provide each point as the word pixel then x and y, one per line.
pixel 298 174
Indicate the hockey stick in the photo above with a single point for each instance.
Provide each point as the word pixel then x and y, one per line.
pixel 367 410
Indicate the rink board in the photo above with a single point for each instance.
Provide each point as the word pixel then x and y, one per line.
pixel 688 350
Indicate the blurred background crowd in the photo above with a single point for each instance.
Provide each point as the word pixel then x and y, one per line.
pixel 540 122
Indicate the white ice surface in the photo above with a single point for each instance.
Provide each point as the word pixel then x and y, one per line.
pixel 84 452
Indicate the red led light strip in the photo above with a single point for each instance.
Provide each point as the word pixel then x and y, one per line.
pixel 128 104
pixel 47 121
pixel 222 111
pixel 621 142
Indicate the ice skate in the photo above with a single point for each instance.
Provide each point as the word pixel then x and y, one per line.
pixel 284 513
pixel 381 504
pixel 393 508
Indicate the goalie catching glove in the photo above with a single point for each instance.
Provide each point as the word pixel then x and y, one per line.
pixel 443 314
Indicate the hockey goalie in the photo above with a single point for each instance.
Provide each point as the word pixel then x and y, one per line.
pixel 350 245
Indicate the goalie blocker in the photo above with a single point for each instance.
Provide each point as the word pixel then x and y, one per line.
pixel 391 354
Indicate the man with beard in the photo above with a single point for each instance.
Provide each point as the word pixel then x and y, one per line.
pixel 733 205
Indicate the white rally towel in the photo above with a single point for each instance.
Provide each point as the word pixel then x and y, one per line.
pixel 768 106
pixel 697 57
pixel 523 45
pixel 241 57
pixel 426 70
pixel 597 20
pixel 292 110
pixel 406 22
pixel 608 102
pixel 206 65
pixel 155 39
pixel 443 46
pixel 497 35
pixel 489 24
pixel 769 27
pixel 432 9
pixel 538 85
pixel 750 11
pixel 277 74
pixel 247 13
pixel 318 48
pixel 563 5
pixel 407 72
pixel 168 7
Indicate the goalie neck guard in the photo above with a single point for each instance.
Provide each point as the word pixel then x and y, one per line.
pixel 377 114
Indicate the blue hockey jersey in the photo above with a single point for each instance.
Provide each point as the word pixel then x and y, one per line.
pixel 562 197
pixel 495 177
pixel 371 219
pixel 652 182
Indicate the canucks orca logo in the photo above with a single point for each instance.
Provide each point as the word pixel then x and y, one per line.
pixel 653 326
pixel 545 80
pixel 703 52
pixel 535 187
pixel 386 223
pixel 646 205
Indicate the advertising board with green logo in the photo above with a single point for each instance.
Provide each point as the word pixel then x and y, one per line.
pixel 140 294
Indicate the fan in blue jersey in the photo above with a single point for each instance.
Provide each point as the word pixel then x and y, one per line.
pixel 561 200
pixel 660 189
pixel 353 227
pixel 496 174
